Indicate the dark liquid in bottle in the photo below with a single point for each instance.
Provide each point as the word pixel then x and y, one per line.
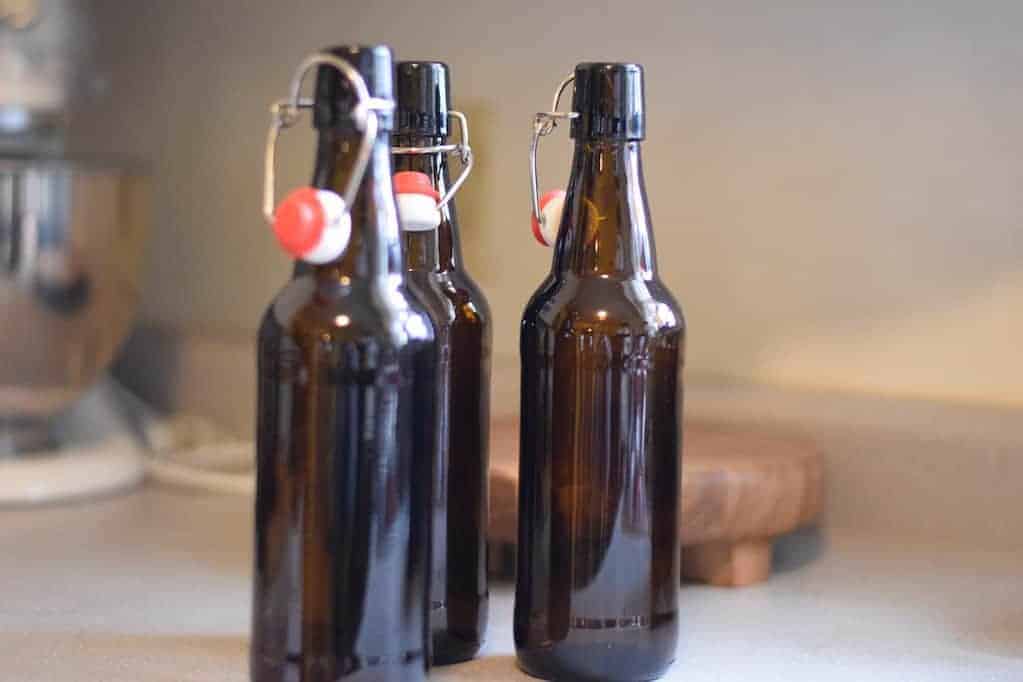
pixel 459 592
pixel 602 349
pixel 345 454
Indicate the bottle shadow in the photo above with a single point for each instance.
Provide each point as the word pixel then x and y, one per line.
pixel 795 550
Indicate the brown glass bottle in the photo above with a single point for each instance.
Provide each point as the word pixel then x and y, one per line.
pixel 602 344
pixel 459 591
pixel 345 441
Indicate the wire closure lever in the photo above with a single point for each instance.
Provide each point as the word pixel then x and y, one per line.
pixel 544 124
pixel 285 113
pixel 463 150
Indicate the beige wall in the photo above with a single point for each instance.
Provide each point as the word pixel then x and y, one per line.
pixel 835 190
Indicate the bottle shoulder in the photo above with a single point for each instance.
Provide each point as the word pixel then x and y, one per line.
pixel 460 286
pixel 307 308
pixel 596 305
pixel 471 305
pixel 454 296
pixel 426 289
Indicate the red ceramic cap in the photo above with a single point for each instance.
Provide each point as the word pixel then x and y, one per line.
pixel 299 221
pixel 544 200
pixel 414 182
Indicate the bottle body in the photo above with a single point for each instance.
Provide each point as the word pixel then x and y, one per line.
pixel 346 435
pixel 602 349
pixel 460 313
pixel 598 572
pixel 459 623
pixel 342 547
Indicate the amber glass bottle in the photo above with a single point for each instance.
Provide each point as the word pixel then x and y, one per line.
pixel 602 344
pixel 459 592
pixel 345 435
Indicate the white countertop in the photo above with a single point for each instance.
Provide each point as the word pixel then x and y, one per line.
pixel 154 586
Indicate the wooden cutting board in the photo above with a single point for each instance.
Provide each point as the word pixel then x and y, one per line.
pixel 741 488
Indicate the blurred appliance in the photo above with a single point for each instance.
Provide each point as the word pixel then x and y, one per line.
pixel 71 240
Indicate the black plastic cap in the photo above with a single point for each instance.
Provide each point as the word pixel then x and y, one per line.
pixel 424 98
pixel 334 95
pixel 609 100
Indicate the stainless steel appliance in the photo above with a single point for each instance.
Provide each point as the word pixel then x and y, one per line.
pixel 71 240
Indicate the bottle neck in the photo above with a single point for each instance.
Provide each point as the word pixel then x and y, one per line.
pixel 449 247
pixel 374 249
pixel 606 231
pixel 420 250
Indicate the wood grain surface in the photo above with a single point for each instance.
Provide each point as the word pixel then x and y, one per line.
pixel 741 488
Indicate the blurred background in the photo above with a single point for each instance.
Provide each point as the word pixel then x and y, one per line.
pixel 834 185
pixel 835 192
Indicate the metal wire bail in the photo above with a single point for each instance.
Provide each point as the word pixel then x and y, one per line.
pixel 544 124
pixel 285 114
pixel 463 150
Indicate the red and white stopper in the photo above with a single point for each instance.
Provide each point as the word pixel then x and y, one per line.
pixel 313 225
pixel 417 201
pixel 552 204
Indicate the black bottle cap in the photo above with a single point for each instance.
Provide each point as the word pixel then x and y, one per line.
pixel 335 97
pixel 609 100
pixel 424 97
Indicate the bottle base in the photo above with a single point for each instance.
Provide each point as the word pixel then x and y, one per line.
pixel 371 669
pixel 589 663
pixel 449 649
